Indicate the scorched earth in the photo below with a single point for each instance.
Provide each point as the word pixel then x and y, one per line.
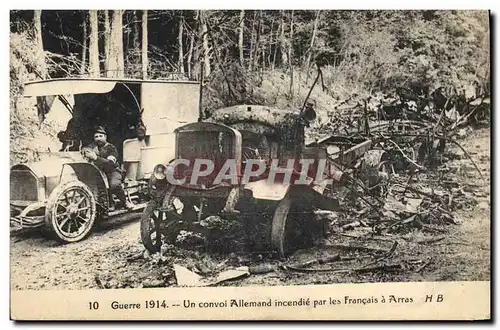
pixel 113 256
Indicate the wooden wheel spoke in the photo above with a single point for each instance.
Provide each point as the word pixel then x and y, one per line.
pixel 82 198
pixel 64 198
pixel 152 226
pixel 170 223
pixel 82 218
pixel 154 216
pixel 73 196
pixel 63 222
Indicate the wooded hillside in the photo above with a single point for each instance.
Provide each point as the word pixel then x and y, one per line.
pixel 261 56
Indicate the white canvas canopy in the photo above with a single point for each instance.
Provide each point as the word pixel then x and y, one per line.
pixel 167 104
pixel 67 87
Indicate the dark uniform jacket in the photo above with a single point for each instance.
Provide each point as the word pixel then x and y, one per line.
pixel 107 157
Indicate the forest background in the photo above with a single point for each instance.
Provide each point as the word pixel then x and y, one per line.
pixel 266 57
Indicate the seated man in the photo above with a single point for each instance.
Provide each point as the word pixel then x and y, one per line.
pixel 104 155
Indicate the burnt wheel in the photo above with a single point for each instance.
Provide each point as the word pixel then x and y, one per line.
pixel 159 223
pixel 71 212
pixel 293 226
pixel 279 241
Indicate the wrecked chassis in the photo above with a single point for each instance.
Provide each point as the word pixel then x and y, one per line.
pixel 286 209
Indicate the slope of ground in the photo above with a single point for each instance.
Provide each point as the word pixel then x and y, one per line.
pixel 113 256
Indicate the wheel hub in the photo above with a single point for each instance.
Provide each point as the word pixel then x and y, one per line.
pixel 72 210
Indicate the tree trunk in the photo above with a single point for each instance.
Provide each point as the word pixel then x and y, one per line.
pixel 83 67
pixel 276 43
pixel 119 39
pixel 37 22
pixel 263 47
pixel 270 52
pixel 190 55
pixel 206 47
pixel 195 45
pixel 240 35
pixel 107 40
pixel 252 42
pixel 290 56
pixel 284 51
pixel 181 51
pixel 135 59
pixel 144 55
pixel 257 41
pixel 313 38
pixel 94 45
pixel 116 63
pixel 135 31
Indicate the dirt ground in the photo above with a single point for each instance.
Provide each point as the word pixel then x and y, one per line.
pixel 113 257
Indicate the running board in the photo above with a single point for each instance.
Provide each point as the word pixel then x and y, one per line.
pixel 138 207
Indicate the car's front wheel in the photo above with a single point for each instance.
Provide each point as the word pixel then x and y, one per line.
pixel 71 212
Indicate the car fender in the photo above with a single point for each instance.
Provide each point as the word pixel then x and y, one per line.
pixel 93 177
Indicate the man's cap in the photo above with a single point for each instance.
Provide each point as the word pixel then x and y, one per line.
pixel 100 129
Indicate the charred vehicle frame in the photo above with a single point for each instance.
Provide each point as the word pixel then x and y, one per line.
pixel 243 133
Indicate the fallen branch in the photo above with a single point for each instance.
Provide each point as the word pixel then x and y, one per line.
pixel 313 270
pixel 388 268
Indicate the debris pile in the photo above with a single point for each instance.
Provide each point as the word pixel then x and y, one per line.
pixel 435 109
pixel 414 131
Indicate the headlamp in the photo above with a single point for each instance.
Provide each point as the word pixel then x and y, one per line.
pixel 159 172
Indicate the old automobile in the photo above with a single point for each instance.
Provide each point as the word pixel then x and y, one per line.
pixel 63 193
pixel 188 189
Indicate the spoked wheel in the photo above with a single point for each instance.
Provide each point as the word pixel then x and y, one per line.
pixel 157 227
pixel 160 222
pixel 71 212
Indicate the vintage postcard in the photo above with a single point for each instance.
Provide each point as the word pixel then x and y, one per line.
pixel 250 164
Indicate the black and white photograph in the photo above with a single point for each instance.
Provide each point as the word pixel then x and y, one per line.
pixel 249 148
